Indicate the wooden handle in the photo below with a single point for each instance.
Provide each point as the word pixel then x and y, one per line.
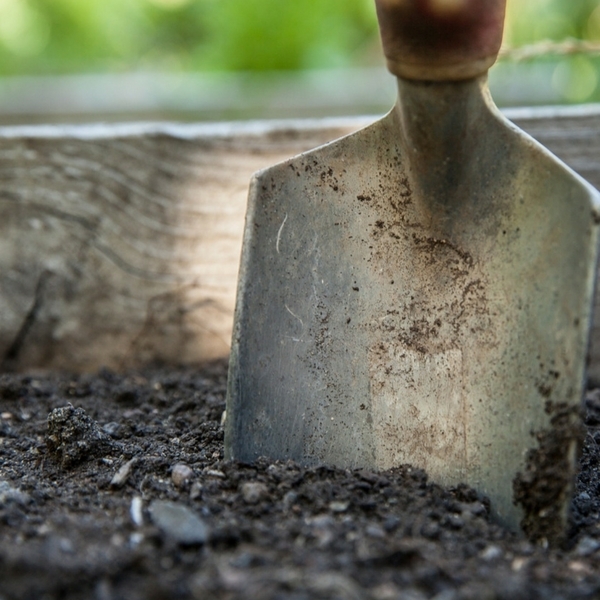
pixel 440 40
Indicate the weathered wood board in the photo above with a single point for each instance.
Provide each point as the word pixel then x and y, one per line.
pixel 119 245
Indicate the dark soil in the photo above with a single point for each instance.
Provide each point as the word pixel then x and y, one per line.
pixel 114 486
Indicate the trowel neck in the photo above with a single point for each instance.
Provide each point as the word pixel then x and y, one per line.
pixel 438 124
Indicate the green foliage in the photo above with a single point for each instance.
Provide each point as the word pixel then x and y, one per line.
pixel 534 20
pixel 574 78
pixel 54 36
pixel 62 36
pixel 285 34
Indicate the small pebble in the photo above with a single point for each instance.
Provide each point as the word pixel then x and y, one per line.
pixel 254 492
pixel 66 545
pixel 518 563
pixel 44 529
pixel 11 494
pixel 196 490
pixel 492 552
pixel 455 521
pixel 321 521
pixel 338 506
pixel 579 567
pixel 178 522
pixel 214 473
pixel 391 524
pixel 135 511
pixel 583 503
pixel 122 475
pixel 375 531
pixel 386 591
pixel 289 500
pixel 430 530
pixel 135 539
pixel 587 546
pixel 181 474
pixel 113 429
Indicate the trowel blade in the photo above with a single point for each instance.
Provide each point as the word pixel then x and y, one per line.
pixel 378 324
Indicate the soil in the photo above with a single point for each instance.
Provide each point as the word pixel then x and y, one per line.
pixel 114 487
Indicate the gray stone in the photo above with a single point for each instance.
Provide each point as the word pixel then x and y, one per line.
pixel 11 494
pixel 122 475
pixel 587 546
pixel 254 492
pixel 113 429
pixel 181 474
pixel 321 521
pixel 339 506
pixel 178 522
pixel 289 500
pixel 196 490
pixel 135 511
pixel 215 473
pixel 492 552
pixel 375 531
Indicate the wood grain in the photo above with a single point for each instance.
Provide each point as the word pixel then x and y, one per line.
pixel 119 245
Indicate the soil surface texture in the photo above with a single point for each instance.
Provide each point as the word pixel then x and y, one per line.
pixel 114 487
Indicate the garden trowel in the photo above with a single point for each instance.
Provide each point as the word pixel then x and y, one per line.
pixel 420 291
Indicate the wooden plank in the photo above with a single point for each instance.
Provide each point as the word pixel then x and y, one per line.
pixel 119 245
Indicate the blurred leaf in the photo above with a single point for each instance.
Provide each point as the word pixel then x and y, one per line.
pixel 283 34
pixel 62 36
pixel 58 36
pixel 537 20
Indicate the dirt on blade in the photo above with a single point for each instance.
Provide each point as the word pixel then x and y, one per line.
pixel 542 489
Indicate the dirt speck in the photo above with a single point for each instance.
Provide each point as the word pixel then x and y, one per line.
pixel 542 488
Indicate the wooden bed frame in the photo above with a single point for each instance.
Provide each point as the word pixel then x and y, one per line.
pixel 119 244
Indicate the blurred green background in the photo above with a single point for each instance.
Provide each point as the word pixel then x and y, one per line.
pixel 259 41
pixel 59 36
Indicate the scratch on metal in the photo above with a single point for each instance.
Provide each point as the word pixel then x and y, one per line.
pixel 279 235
